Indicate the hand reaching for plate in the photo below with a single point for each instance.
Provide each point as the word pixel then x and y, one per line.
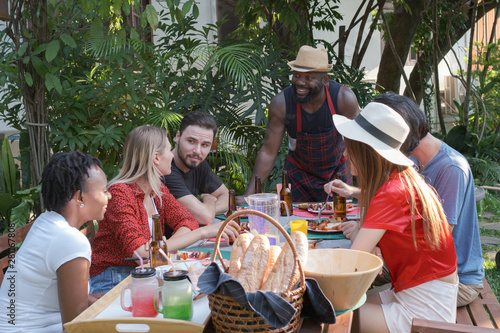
pixel 350 229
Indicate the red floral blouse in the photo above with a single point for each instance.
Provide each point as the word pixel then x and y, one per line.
pixel 125 226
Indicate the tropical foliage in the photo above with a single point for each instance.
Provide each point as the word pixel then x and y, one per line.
pixel 100 75
pixel 16 199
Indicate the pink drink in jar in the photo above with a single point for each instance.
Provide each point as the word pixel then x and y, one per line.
pixel 142 289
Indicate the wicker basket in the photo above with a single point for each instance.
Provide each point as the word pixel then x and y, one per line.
pixel 229 316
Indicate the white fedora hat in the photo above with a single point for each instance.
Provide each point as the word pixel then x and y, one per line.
pixel 381 128
pixel 310 59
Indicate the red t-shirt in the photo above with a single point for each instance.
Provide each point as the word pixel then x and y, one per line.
pixel 390 210
pixel 125 226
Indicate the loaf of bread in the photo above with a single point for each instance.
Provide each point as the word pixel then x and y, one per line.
pixel 240 246
pixel 254 263
pixel 282 272
pixel 274 253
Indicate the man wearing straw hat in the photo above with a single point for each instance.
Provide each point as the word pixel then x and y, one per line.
pixel 305 110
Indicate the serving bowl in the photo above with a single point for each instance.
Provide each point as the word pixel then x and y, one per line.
pixel 344 275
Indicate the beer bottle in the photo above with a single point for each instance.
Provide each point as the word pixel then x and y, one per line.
pixel 285 195
pixel 231 207
pixel 258 185
pixel 339 203
pixel 157 243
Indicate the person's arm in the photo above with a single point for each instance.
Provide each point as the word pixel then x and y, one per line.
pixel 367 239
pixel 222 195
pixel 347 103
pixel 184 227
pixel 345 190
pixel 350 229
pixel 184 237
pixel 72 288
pixel 127 217
pixel 275 129
pixel 204 210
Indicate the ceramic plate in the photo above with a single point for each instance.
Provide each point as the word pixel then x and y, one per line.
pixel 361 302
pixel 322 231
pixel 193 255
pixel 181 265
pixel 325 212
pixel 350 207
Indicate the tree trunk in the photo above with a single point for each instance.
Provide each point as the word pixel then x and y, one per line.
pixel 419 75
pixel 403 28
pixel 29 18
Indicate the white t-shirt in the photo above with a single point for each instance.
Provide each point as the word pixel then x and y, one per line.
pixel 28 295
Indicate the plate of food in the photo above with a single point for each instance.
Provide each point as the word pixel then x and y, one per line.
pixel 325 226
pixel 191 255
pixel 314 208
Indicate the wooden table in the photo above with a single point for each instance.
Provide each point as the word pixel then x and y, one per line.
pixel 343 324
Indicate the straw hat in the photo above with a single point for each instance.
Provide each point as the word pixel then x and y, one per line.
pixel 381 128
pixel 310 59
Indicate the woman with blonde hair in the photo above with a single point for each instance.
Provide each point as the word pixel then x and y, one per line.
pixel 138 194
pixel 403 221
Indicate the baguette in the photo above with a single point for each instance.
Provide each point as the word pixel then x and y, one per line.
pixel 237 252
pixel 274 253
pixel 254 263
pixel 282 272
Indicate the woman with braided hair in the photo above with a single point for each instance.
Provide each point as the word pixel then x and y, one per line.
pixel 46 284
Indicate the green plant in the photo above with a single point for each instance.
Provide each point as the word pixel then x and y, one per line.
pixel 15 203
pixel 483 156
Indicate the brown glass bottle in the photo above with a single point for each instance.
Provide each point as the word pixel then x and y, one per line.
pixel 258 185
pixel 231 207
pixel 339 203
pixel 157 243
pixel 285 195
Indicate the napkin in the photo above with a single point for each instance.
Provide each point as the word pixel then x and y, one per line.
pixel 271 306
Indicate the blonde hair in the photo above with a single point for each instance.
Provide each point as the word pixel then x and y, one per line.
pixel 373 172
pixel 139 150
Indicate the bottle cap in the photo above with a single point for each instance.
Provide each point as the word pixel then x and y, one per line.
pixel 175 275
pixel 146 272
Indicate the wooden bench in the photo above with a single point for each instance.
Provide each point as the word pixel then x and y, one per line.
pixel 482 315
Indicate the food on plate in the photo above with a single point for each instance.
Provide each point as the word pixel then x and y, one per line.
pixel 316 206
pixel 283 271
pixel 237 252
pixel 191 255
pixel 254 263
pixel 304 205
pixel 329 224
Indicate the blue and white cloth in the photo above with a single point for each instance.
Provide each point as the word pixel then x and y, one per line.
pixel 275 310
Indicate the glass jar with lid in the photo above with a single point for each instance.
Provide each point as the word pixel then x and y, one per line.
pixel 175 298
